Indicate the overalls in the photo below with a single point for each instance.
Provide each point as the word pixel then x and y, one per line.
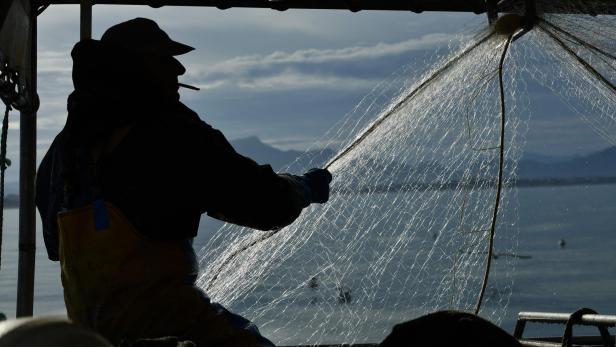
pixel 126 286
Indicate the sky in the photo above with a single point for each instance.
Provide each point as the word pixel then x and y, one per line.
pixel 285 77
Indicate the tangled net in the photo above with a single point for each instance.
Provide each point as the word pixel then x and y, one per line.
pixel 422 194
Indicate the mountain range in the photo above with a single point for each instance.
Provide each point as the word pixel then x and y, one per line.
pixel 531 166
pixel 262 153
pixel 597 164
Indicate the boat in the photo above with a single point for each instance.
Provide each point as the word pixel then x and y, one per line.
pixel 18 89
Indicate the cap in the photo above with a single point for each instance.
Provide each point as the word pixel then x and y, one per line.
pixel 145 36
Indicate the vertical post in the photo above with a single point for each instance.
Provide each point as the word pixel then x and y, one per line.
pixel 27 170
pixel 530 12
pixel 492 10
pixel 85 22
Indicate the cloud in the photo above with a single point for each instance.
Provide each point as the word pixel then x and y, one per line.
pixel 206 19
pixel 54 61
pixel 54 85
pixel 320 56
pixel 293 80
pixel 343 68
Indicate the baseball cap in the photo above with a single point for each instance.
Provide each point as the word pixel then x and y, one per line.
pixel 144 36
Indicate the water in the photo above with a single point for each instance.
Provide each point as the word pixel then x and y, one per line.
pixel 582 274
pixel 402 254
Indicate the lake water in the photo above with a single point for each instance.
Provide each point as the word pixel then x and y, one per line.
pixel 555 279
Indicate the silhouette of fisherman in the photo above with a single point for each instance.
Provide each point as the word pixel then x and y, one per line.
pixel 123 186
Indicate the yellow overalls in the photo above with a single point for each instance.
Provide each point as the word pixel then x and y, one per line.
pixel 126 286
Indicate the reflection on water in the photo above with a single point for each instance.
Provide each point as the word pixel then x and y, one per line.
pixel 568 233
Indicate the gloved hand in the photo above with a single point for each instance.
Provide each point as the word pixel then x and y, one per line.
pixel 318 181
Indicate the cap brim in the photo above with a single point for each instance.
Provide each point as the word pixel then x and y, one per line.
pixel 176 48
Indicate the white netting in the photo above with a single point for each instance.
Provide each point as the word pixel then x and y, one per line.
pixel 407 226
pixel 551 65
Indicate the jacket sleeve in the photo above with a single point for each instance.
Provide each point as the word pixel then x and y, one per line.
pixel 240 191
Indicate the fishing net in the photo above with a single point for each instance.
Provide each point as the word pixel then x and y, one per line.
pixel 575 56
pixel 423 183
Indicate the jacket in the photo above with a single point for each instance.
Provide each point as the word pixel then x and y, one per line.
pixel 154 159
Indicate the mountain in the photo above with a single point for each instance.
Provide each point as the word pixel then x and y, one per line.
pixel 537 168
pixel 262 153
pixel 597 164
pixel 546 158
pixel 532 165
pixel 11 201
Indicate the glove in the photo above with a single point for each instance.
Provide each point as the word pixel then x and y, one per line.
pixel 317 181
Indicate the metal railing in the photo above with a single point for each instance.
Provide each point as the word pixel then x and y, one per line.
pixel 584 316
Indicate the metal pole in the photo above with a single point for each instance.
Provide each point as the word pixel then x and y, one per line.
pixel 27 170
pixel 492 9
pixel 85 23
pixel 475 6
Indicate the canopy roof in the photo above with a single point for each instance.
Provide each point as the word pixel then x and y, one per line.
pixel 18 67
pixel 474 6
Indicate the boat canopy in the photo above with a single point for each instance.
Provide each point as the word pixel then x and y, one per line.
pixel 593 7
pixel 475 6
pixel 18 72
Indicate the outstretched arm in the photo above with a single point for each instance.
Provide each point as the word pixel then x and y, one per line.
pixel 245 193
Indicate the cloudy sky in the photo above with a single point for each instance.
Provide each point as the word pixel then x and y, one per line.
pixel 286 77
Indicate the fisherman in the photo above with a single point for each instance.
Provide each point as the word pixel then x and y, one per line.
pixel 123 186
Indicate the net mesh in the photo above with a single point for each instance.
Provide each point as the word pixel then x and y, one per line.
pixel 407 226
pixel 593 39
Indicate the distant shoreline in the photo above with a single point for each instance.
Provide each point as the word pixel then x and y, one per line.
pixel 12 202
pixel 476 183
pixel 573 181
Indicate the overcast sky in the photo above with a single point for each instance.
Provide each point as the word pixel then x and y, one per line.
pixel 285 77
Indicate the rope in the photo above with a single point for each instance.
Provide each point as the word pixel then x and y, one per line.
pixel 238 252
pixel 357 141
pixel 499 182
pixel 588 68
pixel 3 165
pixel 577 39
pixel 580 60
pixel 405 100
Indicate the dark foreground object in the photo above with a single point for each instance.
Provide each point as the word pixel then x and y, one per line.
pixel 449 329
pixel 592 7
pixel 161 342
pixel 583 316
pixel 444 329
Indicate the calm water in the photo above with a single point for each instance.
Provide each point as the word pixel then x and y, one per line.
pixel 582 274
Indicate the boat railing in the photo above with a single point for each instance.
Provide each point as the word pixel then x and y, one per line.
pixel 584 316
